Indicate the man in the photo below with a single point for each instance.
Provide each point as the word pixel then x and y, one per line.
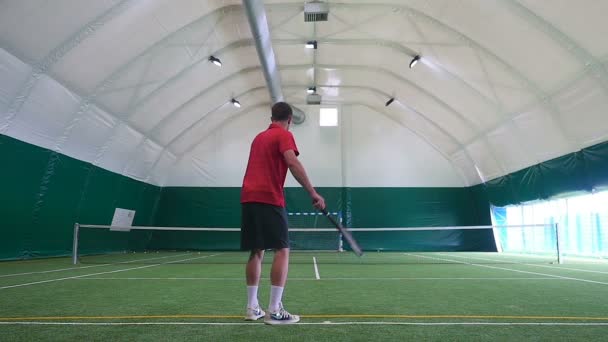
pixel 264 219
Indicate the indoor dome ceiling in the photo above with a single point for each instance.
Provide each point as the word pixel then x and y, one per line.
pixel 128 85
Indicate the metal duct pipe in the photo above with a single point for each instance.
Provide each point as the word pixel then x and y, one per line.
pixel 256 15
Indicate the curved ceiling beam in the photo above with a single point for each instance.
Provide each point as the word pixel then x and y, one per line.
pixel 425 118
pixel 430 121
pixel 356 68
pixel 248 42
pixel 203 92
pixel 260 105
pixel 42 67
pixel 409 108
pixel 206 114
pixel 566 42
pixel 461 146
pixel 90 99
pixel 410 53
pixel 379 110
pixel 421 136
pixel 181 73
pixel 107 82
pixel 349 67
pixel 404 80
pixel 542 96
pixel 367 88
pixel 181 156
pixel 589 62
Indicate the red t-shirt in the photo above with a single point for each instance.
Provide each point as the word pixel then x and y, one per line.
pixel 267 169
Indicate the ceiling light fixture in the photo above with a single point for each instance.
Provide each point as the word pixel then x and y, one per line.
pixel 414 61
pixel 215 61
pixel 311 44
pixel 235 103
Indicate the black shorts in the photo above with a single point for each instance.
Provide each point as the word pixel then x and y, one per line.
pixel 263 226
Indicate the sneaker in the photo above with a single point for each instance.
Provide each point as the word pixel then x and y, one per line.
pixel 253 314
pixel 281 317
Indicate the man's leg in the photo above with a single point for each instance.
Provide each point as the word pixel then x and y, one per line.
pixel 278 277
pixel 253 271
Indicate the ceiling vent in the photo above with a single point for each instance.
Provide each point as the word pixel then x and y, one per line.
pixel 313 99
pixel 316 11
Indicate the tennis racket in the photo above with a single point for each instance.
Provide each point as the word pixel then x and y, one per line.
pixel 347 235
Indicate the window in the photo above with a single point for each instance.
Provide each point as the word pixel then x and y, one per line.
pixel 582 220
pixel 328 116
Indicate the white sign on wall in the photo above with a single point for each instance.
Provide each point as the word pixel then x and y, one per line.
pixel 122 218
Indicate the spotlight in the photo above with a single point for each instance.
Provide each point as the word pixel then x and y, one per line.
pixel 311 44
pixel 311 90
pixel 414 61
pixel 388 103
pixel 235 103
pixel 215 61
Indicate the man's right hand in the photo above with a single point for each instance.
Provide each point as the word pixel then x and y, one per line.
pixel 318 201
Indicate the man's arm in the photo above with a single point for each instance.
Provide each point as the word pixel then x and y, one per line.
pixel 299 173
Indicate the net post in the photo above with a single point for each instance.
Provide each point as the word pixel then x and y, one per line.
pixel 559 253
pixel 340 240
pixel 75 244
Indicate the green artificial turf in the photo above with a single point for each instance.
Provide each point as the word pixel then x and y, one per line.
pixel 388 296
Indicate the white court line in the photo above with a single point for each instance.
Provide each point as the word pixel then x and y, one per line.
pixel 568 268
pixel 83 267
pixel 527 264
pixel 511 256
pixel 324 279
pixel 50 271
pixel 535 265
pixel 99 273
pixel 510 269
pixel 314 261
pixel 318 323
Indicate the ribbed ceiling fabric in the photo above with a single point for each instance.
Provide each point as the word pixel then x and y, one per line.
pixel 127 86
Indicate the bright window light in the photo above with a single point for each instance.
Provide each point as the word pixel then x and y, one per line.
pixel 328 116
pixel 582 222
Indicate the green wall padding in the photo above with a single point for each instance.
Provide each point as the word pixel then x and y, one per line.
pixel 44 193
pixel 480 205
pixel 411 207
pixel 578 171
pixel 199 207
pixel 219 207
pixel 596 164
pixel 359 207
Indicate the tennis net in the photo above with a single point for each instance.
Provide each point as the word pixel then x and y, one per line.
pixel 410 245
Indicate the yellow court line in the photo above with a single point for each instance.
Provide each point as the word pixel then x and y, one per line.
pixel 115 317
pixel 459 317
pixel 493 317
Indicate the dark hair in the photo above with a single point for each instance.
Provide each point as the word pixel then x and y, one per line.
pixel 281 111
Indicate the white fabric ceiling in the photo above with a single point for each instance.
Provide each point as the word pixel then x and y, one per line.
pixel 126 85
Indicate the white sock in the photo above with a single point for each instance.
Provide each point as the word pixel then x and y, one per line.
pixel 276 292
pixel 252 296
